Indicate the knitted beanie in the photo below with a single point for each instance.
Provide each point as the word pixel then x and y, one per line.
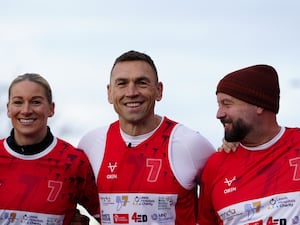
pixel 257 85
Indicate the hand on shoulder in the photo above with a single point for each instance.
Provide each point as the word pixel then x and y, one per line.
pixel 228 146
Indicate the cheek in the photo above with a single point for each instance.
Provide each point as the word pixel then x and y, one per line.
pixel 10 112
pixel 43 112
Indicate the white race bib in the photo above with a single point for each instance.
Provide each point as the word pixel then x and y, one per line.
pixel 137 208
pixel 15 217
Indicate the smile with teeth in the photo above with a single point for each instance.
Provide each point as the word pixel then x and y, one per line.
pixel 26 121
pixel 133 104
pixel 227 125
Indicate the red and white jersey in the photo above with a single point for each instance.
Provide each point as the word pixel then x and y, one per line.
pixel 254 186
pixel 153 182
pixel 44 189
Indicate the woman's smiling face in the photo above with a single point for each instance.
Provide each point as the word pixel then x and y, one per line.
pixel 29 109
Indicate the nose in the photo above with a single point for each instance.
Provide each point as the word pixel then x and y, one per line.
pixel 220 113
pixel 26 108
pixel 132 90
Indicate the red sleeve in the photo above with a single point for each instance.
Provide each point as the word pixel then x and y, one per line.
pixel 207 214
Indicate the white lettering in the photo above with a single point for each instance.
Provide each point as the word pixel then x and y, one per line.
pixel 111 176
pixel 229 190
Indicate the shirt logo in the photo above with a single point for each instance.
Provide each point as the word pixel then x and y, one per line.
pixel 229 183
pixel 112 167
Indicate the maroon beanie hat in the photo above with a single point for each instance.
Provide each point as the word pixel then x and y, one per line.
pixel 257 85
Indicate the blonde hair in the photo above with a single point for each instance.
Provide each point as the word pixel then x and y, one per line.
pixel 34 78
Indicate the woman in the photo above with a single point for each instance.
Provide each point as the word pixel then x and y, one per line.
pixel 42 178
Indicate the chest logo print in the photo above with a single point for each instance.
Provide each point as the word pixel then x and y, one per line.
pixel 229 182
pixel 112 166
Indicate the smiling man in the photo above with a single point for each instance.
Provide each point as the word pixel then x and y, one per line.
pixel 147 165
pixel 259 183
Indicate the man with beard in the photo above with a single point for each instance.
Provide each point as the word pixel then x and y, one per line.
pixel 259 183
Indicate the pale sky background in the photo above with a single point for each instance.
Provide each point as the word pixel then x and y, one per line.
pixel 73 45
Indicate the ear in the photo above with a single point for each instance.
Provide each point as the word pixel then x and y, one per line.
pixel 159 91
pixel 7 110
pixel 109 95
pixel 259 110
pixel 51 110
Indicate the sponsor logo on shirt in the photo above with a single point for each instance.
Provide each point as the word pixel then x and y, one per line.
pixel 281 209
pixel 106 200
pixel 121 218
pixel 137 208
pixel 105 217
pixel 29 218
pixel 270 221
pixel 121 201
pixel 229 182
pixel 112 166
pixel 143 201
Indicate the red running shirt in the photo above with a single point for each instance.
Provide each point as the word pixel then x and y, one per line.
pixel 254 186
pixel 44 189
pixel 137 186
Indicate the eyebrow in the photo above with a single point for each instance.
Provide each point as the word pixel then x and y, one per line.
pixel 33 97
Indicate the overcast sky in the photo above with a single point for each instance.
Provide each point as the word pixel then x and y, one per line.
pixel 194 44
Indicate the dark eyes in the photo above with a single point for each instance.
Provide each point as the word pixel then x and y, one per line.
pixel 17 102
pixel 36 102
pixel 33 102
pixel 121 83
pixel 140 83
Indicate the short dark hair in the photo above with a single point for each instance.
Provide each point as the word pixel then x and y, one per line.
pixel 136 56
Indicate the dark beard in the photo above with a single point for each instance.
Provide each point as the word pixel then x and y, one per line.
pixel 238 132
